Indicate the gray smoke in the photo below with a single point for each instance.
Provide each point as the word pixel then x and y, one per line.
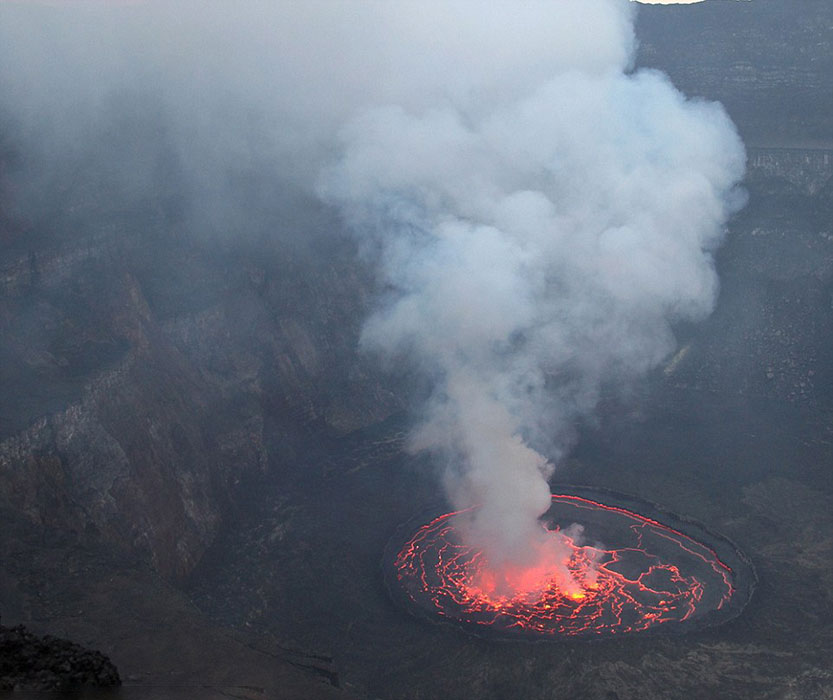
pixel 538 245
pixel 539 213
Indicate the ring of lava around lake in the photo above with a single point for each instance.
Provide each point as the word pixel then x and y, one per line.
pixel 634 569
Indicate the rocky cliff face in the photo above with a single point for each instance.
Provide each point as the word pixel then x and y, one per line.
pixel 140 376
pixel 770 62
pixel 769 337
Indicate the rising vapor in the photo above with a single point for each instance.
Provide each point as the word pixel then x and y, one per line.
pixel 536 246
pixel 539 213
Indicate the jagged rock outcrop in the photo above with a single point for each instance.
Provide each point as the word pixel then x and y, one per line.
pixel 30 662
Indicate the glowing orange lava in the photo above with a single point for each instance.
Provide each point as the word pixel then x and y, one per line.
pixel 646 576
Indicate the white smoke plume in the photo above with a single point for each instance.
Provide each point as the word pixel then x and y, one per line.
pixel 540 213
pixel 536 244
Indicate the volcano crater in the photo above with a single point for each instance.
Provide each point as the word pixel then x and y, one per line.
pixel 635 568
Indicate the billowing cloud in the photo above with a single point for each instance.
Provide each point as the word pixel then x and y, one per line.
pixel 540 214
pixel 537 246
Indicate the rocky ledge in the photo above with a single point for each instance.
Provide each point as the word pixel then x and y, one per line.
pixel 30 662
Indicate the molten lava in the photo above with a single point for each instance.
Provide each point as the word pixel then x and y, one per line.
pixel 647 575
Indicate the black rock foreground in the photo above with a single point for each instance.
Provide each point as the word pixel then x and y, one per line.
pixel 31 662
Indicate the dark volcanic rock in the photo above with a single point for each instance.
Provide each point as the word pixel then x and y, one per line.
pixel 770 62
pixel 142 375
pixel 29 662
